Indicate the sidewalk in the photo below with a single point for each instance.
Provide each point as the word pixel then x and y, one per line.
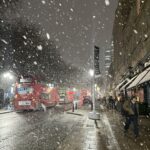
pixel 85 137
pixel 107 133
pixel 4 111
pixel 128 142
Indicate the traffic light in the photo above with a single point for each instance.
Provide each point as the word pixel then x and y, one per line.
pixel 96 60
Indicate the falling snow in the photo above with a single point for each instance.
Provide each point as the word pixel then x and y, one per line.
pixel 145 35
pixel 48 36
pixel 35 63
pixel 4 41
pixel 107 2
pixel 94 17
pixel 24 37
pixel 39 47
pixel 43 2
pixel 135 31
pixel 71 9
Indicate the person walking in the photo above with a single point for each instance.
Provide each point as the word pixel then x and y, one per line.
pixel 131 115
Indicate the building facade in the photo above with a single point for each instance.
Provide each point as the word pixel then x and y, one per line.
pixel 131 35
pixel 131 64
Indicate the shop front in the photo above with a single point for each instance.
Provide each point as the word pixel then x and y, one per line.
pixel 140 87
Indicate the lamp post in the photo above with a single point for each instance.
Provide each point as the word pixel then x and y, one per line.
pixel 7 79
pixel 93 115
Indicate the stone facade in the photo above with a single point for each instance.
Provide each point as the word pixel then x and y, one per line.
pixel 131 35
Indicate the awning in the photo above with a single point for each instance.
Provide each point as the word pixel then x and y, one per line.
pixel 138 79
pixel 128 83
pixel 121 84
pixel 146 77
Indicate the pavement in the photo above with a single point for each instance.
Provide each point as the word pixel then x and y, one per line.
pixel 107 133
pixel 4 111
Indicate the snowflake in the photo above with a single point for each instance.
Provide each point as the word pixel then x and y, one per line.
pixel 4 41
pixel 107 2
pixel 71 9
pixel 93 17
pixel 48 36
pixel 135 31
pixel 119 4
pixel 24 37
pixel 56 129
pixel 142 1
pixel 70 18
pixel 146 36
pixel 39 47
pixel 35 63
pixel 43 2
pixel 141 144
pixel 25 43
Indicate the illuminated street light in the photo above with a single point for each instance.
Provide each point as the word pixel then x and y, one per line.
pixel 8 75
pixel 74 89
pixel 91 72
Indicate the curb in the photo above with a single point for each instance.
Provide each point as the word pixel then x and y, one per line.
pixel 75 113
pixel 6 112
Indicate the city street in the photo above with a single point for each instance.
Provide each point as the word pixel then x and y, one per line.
pixel 75 75
pixel 58 130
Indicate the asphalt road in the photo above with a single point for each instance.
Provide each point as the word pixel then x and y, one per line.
pixel 50 130
pixel 59 130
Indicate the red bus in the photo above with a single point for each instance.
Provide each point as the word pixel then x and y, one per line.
pixel 31 95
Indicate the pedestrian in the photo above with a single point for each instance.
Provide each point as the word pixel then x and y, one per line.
pixel 116 103
pixel 111 102
pixel 131 115
pixel 121 100
pixel 104 101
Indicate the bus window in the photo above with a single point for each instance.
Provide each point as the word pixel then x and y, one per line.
pixel 45 96
pixel 25 90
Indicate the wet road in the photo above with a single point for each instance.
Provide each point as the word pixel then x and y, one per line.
pixel 59 130
pixel 36 130
pixel 50 130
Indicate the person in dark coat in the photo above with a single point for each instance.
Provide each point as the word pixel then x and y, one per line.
pixel 131 109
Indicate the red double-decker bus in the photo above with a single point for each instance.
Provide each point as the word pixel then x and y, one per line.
pixel 31 94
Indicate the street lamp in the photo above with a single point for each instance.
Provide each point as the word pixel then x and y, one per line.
pixel 8 75
pixel 91 72
pixel 7 79
pixel 93 115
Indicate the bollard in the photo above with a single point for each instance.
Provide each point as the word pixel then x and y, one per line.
pixel 64 107
pixel 72 107
pixel 76 105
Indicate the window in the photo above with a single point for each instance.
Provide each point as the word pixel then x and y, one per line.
pixel 24 90
pixel 45 96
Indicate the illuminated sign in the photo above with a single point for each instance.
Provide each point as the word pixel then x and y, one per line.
pixel 28 80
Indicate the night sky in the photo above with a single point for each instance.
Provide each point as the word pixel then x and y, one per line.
pixel 75 25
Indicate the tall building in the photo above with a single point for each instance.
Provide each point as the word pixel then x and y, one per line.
pixel 131 64
pixel 131 35
pixel 108 60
